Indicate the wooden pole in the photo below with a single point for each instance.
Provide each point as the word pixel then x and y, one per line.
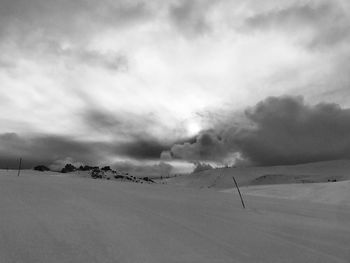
pixel 239 192
pixel 19 167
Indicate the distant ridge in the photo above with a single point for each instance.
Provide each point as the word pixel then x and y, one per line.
pixel 221 178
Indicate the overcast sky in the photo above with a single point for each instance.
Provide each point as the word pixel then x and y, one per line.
pixel 138 82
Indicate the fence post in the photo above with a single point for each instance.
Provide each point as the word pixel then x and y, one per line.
pixel 239 192
pixel 19 167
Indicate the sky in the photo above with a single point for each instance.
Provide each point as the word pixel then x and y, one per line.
pixel 165 84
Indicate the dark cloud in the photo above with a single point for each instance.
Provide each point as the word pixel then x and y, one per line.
pixel 123 123
pixel 288 131
pixel 146 147
pixel 190 16
pixel 282 130
pixel 328 22
pixel 67 18
pixel 48 149
pixel 135 135
pixel 290 16
pixel 77 20
pixel 62 30
pixel 41 29
pixel 55 49
pixel 130 136
pixel 55 152
pixel 208 146
pixel 6 64
pixel 128 125
pixel 41 149
pixel 143 148
pixel 278 130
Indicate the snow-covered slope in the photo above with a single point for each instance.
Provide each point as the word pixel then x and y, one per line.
pixel 329 193
pixel 66 219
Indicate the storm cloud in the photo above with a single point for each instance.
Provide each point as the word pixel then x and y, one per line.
pixel 208 146
pixel 50 149
pixel 42 149
pixel 123 136
pixel 142 148
pixel 282 130
pixel 288 131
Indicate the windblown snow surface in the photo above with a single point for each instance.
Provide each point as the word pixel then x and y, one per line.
pixel 50 218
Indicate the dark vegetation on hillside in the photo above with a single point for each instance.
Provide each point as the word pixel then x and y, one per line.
pixel 96 172
pixel 41 168
pixel 107 173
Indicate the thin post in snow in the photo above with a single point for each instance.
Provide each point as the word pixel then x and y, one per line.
pixel 239 192
pixel 19 167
